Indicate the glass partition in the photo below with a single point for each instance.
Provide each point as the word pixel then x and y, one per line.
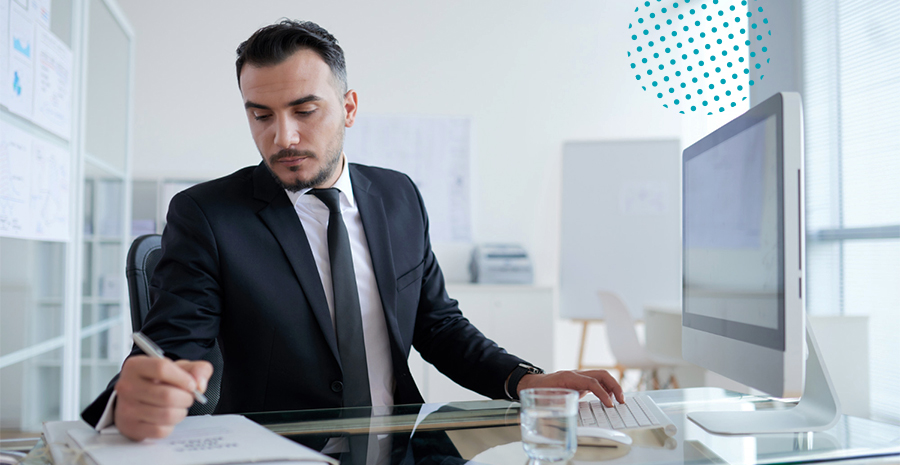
pixel 107 104
pixel 31 293
pixel 99 360
pixel 32 394
pixel 62 329
pixel 103 283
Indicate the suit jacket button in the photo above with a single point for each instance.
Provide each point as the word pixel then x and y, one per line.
pixel 337 386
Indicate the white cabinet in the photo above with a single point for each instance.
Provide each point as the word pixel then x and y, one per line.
pixel 518 318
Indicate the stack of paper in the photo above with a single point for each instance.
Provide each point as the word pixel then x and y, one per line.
pixel 219 439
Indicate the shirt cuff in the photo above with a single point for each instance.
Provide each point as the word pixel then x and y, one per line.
pixel 107 418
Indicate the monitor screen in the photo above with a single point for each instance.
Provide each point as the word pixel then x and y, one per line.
pixel 733 273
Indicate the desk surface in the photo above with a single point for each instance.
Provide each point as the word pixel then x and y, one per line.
pixel 487 432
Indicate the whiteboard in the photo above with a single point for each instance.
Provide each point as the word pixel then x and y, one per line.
pixel 621 228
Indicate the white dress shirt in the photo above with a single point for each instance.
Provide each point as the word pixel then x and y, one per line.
pixel 313 216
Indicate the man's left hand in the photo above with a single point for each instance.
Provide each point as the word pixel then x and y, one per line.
pixel 600 382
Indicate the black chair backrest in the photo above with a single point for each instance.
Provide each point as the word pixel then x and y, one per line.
pixel 143 256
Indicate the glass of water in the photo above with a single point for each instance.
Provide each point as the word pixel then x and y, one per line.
pixel 548 418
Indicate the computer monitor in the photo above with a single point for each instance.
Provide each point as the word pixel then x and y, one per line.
pixel 743 269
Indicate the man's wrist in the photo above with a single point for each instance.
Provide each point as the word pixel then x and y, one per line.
pixel 511 388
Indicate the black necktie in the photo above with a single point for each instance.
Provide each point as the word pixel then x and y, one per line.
pixel 347 316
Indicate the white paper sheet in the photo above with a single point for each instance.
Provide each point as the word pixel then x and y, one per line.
pixel 50 191
pixel 208 439
pixel 40 12
pixel 4 50
pixel 434 152
pixel 15 182
pixel 34 187
pixel 20 74
pixel 53 85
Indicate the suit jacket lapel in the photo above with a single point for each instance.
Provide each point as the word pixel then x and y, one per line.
pixel 375 226
pixel 279 215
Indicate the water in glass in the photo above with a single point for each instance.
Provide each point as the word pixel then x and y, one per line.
pixel 549 424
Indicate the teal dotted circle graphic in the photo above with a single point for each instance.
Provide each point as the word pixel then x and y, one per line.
pixel 695 55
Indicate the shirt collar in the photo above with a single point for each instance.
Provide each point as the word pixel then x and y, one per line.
pixel 342 184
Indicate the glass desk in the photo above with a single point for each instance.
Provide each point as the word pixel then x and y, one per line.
pixel 487 432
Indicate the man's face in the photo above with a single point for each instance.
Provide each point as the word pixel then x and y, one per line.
pixel 297 118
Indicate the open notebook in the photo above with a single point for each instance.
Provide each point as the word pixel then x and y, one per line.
pixel 207 439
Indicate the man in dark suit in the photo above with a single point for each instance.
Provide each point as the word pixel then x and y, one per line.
pixel 316 276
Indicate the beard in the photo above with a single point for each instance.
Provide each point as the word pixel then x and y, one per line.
pixel 332 159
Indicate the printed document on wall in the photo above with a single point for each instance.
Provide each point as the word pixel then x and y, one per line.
pixel 20 74
pixel 434 152
pixel 40 12
pixel 34 187
pixel 53 85
pixel 15 181
pixel 49 192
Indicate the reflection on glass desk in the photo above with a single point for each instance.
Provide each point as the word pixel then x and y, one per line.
pixel 487 432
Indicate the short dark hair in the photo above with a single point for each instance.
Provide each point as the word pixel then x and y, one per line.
pixel 275 43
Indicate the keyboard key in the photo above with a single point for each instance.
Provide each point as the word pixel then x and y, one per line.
pixel 585 415
pixel 600 415
pixel 587 418
pixel 614 418
pixel 626 415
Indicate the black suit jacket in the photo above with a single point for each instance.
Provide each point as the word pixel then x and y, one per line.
pixel 236 266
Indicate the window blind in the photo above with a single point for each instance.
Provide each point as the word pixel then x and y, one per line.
pixel 851 92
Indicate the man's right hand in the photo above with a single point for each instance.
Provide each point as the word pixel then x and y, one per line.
pixel 153 395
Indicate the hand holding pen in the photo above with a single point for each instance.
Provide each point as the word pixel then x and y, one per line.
pixel 150 348
pixel 153 393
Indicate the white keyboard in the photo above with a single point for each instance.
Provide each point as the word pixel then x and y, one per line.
pixel 638 412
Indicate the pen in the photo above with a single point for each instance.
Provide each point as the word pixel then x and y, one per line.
pixel 150 348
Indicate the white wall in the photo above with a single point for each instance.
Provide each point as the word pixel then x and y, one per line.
pixel 530 74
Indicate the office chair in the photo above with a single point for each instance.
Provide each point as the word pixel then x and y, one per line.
pixel 143 256
pixel 627 349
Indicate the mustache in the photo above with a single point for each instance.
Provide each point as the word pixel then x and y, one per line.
pixel 291 153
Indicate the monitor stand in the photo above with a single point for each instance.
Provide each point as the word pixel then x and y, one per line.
pixel 819 408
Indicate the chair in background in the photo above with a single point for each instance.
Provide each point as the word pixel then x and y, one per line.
pixel 626 347
pixel 143 256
